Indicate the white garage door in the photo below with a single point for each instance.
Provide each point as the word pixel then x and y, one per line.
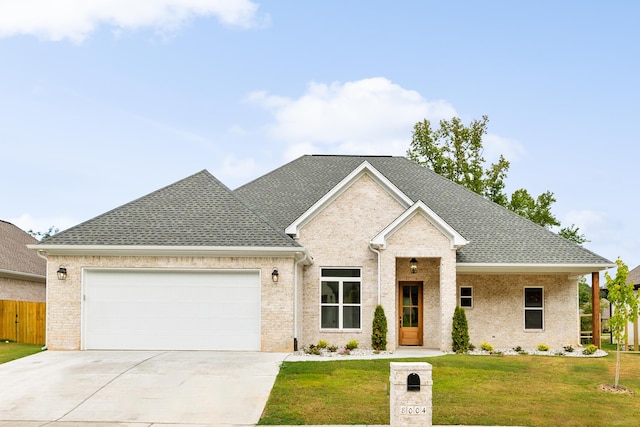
pixel 171 310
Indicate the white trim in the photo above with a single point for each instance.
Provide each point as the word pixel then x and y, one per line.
pixel 455 238
pixel 126 250
pixel 462 267
pixel 364 168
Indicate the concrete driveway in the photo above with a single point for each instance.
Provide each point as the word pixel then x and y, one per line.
pixel 136 388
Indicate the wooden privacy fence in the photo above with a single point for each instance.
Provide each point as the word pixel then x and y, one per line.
pixel 23 321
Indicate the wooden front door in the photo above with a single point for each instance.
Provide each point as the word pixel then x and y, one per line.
pixel 410 312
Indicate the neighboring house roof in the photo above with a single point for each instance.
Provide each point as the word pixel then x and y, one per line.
pixel 16 259
pixel 496 235
pixel 198 211
pixel 634 276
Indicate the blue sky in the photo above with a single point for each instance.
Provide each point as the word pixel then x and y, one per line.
pixel 103 103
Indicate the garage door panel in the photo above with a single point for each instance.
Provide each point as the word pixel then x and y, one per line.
pixel 171 310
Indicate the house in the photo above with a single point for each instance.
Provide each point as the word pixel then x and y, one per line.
pixel 22 271
pixel 305 253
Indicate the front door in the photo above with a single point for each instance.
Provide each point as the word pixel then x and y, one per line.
pixel 410 309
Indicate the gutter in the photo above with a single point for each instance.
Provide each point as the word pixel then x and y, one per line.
pixel 43 255
pixel 306 257
pixel 377 252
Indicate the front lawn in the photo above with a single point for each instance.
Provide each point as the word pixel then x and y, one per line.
pixel 469 390
pixel 13 350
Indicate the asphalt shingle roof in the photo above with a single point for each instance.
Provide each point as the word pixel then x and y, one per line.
pixel 196 211
pixel 496 234
pixel 14 254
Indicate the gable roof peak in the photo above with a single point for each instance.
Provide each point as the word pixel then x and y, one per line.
pixel 364 168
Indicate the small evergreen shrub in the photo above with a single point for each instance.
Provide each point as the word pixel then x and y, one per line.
pixel 351 345
pixel 517 349
pixel 460 331
pixel 589 350
pixel 568 348
pixel 379 330
pixel 486 346
pixel 322 344
pixel 543 347
pixel 332 348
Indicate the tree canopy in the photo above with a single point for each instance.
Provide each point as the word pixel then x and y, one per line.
pixel 455 151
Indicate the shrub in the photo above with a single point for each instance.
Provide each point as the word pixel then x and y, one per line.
pixel 312 349
pixel 568 348
pixel 322 344
pixel 517 349
pixel 351 345
pixel 589 350
pixel 379 330
pixel 486 346
pixel 460 331
pixel 543 347
pixel 471 347
pixel 332 348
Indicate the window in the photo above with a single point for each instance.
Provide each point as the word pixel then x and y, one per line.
pixel 533 308
pixel 340 298
pixel 466 296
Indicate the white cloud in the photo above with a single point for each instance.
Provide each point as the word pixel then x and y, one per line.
pixel 369 116
pixel 77 19
pixel 28 222
pixel 234 170
pixel 495 145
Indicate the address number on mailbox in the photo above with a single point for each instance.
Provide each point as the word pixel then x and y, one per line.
pixel 413 410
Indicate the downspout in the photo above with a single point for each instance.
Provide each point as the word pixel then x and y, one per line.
pixel 295 298
pixel 377 252
pixel 43 255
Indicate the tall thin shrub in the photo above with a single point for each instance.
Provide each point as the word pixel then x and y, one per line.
pixel 379 330
pixel 460 331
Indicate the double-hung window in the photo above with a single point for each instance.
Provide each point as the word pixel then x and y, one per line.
pixel 533 308
pixel 466 296
pixel 340 296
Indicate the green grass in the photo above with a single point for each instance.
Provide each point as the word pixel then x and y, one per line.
pixel 13 350
pixel 470 390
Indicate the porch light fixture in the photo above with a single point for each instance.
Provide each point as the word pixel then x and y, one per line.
pixel 275 275
pixel 62 273
pixel 413 264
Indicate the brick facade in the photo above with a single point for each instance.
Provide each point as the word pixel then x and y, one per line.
pixel 22 290
pixel 64 307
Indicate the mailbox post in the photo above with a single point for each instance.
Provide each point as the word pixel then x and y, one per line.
pixel 410 394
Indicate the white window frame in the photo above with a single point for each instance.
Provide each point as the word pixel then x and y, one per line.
pixel 532 308
pixel 340 304
pixel 469 297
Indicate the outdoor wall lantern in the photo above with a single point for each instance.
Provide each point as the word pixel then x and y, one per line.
pixel 275 275
pixel 413 264
pixel 62 273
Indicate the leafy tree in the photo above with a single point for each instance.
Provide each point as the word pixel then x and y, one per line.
pixel 460 331
pixel 584 292
pixel 379 330
pixel 625 302
pixel 572 233
pixel 42 235
pixel 455 152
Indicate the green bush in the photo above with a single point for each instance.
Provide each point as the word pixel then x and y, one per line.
pixel 379 330
pixel 460 331
pixel 323 344
pixel 312 349
pixel 543 347
pixel 332 348
pixel 589 350
pixel 568 348
pixel 351 345
pixel 486 346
